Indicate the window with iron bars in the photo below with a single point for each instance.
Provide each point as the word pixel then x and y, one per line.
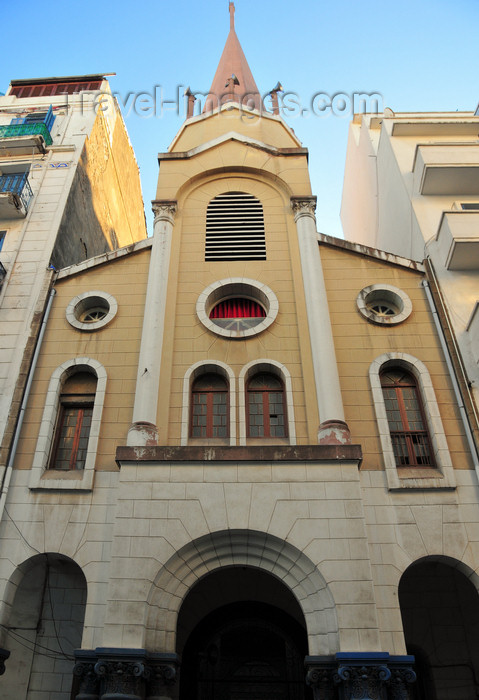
pixel 406 419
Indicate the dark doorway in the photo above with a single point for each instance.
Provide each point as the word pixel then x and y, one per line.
pixel 440 613
pixel 245 651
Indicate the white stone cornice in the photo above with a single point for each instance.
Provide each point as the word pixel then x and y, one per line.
pixel 232 136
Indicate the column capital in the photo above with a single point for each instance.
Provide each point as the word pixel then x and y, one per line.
pixel 374 675
pixel 348 675
pixel 304 206
pixel 125 673
pixel 320 672
pixel 164 210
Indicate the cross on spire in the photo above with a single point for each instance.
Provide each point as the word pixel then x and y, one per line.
pixel 233 64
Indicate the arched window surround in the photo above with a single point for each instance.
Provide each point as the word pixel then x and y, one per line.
pixel 442 476
pixel 195 371
pixel 278 369
pixel 41 477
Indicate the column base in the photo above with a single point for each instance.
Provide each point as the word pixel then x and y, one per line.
pixel 142 434
pixel 334 432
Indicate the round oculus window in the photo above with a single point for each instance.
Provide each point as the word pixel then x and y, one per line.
pixel 91 311
pixel 384 304
pixel 237 307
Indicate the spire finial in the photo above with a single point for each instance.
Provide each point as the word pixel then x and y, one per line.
pixel 232 15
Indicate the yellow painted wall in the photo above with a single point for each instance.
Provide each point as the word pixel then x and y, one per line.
pixel 358 342
pixel 116 346
pixel 269 130
pixel 235 165
pixel 188 341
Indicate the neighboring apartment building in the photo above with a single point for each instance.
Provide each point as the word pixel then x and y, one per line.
pixel 242 470
pixel 411 187
pixel 66 171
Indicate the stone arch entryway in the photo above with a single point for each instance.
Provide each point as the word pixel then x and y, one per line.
pixel 440 612
pixel 278 559
pixel 241 634
pixel 42 625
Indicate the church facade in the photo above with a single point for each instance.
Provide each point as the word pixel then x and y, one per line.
pixel 243 469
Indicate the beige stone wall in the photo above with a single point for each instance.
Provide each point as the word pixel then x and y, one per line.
pixel 302 522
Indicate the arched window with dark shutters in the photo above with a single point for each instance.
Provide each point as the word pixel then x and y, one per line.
pixel 266 407
pixel 407 423
pixel 235 228
pixel 209 407
pixel 72 432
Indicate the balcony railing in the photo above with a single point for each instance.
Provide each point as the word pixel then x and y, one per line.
pixel 27 130
pixel 18 185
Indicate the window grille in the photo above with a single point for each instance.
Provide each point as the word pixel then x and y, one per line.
pixel 72 432
pixel 235 228
pixel 407 425
pixel 209 407
pixel 266 407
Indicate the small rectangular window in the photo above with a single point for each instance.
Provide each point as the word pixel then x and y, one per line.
pixel 2 238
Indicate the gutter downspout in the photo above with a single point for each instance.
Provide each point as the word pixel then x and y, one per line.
pixel 11 457
pixel 452 374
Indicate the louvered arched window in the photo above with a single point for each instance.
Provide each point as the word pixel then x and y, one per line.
pixel 235 228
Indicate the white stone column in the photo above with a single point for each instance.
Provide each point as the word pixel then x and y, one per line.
pixel 144 430
pixel 332 428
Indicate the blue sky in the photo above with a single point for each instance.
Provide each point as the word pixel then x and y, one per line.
pixel 419 55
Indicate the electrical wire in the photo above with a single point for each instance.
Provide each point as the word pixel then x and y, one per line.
pixel 20 532
pixel 35 646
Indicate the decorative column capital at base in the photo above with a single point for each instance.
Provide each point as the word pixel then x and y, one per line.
pixel 163 674
pixel 164 210
pixel 124 674
pixel 304 206
pixel 320 672
pixel 142 434
pixel 371 675
pixel 334 432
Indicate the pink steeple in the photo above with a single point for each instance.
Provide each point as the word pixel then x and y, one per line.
pixel 233 81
